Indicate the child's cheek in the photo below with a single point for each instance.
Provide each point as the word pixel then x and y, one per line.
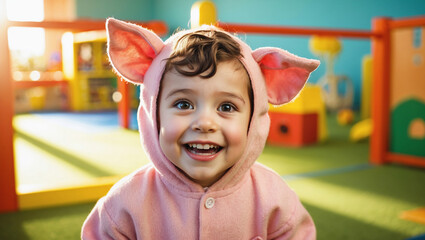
pixel 171 130
pixel 236 134
pixel 169 140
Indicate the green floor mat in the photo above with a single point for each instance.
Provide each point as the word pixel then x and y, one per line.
pixel 44 224
pixel 49 154
pixel 364 204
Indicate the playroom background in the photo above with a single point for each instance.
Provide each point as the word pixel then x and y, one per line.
pixel 352 145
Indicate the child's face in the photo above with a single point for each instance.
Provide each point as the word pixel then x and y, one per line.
pixel 204 122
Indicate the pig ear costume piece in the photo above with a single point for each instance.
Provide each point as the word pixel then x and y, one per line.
pixel 131 49
pixel 285 74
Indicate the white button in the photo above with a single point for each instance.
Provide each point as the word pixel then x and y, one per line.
pixel 209 203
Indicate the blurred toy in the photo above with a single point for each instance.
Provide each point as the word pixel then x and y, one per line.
pixel 361 130
pixel 203 12
pixel 345 116
pixel 337 89
pixel 301 122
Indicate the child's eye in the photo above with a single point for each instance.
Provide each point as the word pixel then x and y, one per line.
pixel 227 107
pixel 183 105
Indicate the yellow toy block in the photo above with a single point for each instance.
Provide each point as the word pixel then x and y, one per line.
pixel 310 100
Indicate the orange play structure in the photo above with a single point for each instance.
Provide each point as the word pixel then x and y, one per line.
pixel 398 95
pixel 382 52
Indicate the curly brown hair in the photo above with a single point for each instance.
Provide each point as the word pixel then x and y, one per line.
pixel 199 52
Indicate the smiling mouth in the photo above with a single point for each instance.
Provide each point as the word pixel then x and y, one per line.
pixel 203 149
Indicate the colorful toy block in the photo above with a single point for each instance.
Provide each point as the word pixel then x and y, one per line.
pixel 309 101
pixel 291 129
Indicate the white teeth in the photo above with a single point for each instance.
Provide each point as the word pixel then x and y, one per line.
pixel 202 146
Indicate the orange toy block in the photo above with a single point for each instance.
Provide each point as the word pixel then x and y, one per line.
pixel 309 101
pixel 287 129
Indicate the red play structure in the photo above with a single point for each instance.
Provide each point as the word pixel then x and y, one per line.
pixel 381 51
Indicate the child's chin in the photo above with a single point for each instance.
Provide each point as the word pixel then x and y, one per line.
pixel 203 180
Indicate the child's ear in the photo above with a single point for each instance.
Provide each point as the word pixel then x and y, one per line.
pixel 285 74
pixel 131 49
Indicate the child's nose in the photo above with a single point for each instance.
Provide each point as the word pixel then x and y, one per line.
pixel 205 123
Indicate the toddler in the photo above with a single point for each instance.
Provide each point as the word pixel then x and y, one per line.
pixel 203 123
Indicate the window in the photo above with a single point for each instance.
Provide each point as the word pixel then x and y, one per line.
pixel 26 44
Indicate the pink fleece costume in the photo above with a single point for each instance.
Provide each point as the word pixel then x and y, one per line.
pixel 159 202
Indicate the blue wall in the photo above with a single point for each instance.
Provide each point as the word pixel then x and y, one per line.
pixel 310 13
pixel 138 10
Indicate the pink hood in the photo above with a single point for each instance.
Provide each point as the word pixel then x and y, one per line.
pixel 137 55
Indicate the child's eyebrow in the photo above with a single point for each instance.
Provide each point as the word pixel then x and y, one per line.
pixel 183 91
pixel 232 95
pixel 188 91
